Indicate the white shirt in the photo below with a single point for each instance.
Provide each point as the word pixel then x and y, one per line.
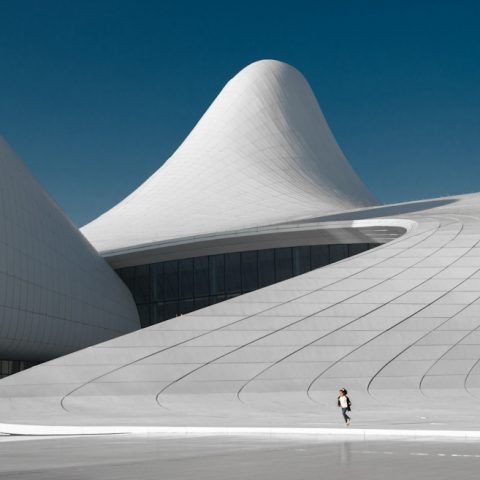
pixel 343 401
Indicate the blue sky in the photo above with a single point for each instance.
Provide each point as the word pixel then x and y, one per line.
pixel 95 95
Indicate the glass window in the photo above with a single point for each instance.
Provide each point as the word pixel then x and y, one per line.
pixel 201 302
pixel 201 276
pixel 156 313
pixel 356 248
pixel 217 299
pixel 266 267
pixel 6 368
pixel 186 277
pixel 9 367
pixel 157 282
pixel 338 252
pixel 170 270
pixel 142 283
pixel 320 256
pixel 144 314
pixel 232 295
pixel 170 310
pixel 283 264
pixel 233 271
pixel 249 271
pixel 128 276
pixel 167 289
pixel 301 260
pixel 186 306
pixel 217 274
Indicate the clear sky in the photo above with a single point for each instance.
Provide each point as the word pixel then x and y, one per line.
pixel 96 95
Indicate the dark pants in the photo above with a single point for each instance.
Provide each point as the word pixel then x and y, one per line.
pixel 345 416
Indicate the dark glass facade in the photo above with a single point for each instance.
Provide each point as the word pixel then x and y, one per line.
pixel 167 289
pixel 9 367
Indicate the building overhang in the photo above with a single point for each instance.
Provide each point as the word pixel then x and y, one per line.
pixel 276 236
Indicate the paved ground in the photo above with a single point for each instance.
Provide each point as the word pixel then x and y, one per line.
pixel 132 457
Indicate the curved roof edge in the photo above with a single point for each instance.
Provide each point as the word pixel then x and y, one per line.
pixel 57 294
pixel 261 154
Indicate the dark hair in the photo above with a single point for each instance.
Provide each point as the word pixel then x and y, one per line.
pixel 344 390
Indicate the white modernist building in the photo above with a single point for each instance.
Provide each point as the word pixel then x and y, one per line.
pixel 250 253
pixel 56 293
pixel 261 154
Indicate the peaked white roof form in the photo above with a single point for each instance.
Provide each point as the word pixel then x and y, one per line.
pixel 56 293
pixel 262 154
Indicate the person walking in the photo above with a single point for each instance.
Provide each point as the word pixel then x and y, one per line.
pixel 344 403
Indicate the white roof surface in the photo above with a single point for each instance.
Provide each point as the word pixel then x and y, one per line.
pixel 262 154
pixel 398 326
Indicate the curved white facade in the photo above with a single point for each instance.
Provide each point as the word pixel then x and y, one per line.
pixel 397 325
pixel 262 154
pixel 57 294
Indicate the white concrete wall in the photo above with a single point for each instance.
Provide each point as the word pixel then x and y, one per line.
pixel 57 294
